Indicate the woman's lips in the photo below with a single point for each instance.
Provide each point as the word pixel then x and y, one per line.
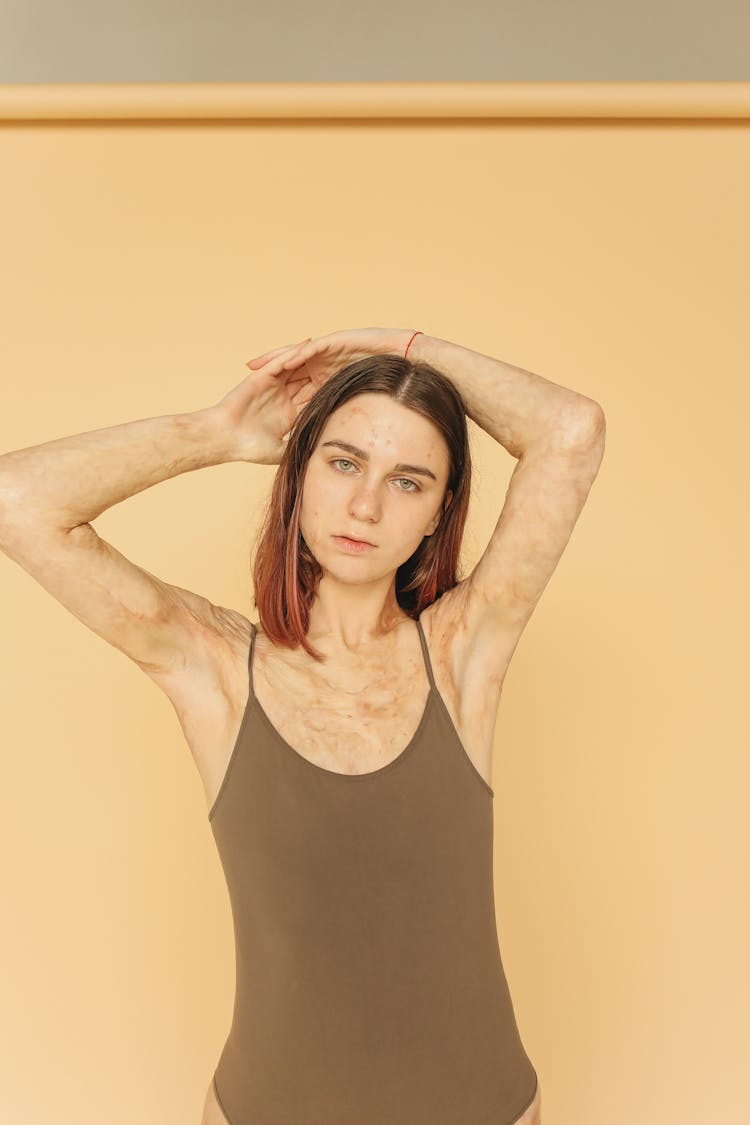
pixel 352 545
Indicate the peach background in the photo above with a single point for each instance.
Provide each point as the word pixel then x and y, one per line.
pixel 147 254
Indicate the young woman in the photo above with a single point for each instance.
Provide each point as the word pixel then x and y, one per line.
pixel 344 740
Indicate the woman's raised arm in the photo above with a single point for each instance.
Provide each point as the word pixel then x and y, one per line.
pixel 50 493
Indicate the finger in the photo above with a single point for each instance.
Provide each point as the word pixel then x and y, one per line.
pixel 302 355
pixel 283 348
pixel 293 386
pixel 286 365
pixel 259 360
pixel 289 369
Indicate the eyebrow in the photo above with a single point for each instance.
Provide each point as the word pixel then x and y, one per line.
pixel 402 467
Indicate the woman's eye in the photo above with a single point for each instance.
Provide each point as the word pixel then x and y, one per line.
pixel 342 461
pixel 345 461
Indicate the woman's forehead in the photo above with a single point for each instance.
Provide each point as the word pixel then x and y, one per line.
pixel 376 422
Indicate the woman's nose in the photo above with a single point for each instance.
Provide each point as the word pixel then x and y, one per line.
pixel 365 500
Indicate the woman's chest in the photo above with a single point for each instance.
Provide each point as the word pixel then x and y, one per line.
pixel 347 733
pixel 352 731
pixel 368 726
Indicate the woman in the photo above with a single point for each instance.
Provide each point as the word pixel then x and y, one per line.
pixel 344 741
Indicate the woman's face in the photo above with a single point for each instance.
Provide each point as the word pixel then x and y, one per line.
pixel 379 473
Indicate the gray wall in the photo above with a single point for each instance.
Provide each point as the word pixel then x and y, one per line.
pixel 332 40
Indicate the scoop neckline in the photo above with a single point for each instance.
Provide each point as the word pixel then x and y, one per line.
pixel 405 753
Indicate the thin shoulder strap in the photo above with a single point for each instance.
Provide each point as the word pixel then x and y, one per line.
pixel 426 654
pixel 250 656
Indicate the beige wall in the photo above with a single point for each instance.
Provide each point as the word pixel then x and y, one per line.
pixel 393 40
pixel 144 262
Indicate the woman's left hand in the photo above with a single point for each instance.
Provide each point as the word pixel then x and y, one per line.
pixel 318 359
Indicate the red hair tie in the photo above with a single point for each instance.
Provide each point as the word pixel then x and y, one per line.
pixel 418 333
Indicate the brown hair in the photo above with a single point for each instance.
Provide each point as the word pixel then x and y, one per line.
pixel 285 573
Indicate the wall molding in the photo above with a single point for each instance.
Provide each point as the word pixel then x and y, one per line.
pixel 255 101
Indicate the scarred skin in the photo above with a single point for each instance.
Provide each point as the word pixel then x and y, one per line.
pixel 196 652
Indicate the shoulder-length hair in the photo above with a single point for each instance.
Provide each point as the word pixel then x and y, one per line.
pixel 285 572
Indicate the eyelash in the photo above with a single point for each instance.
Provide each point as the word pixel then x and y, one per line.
pixel 338 460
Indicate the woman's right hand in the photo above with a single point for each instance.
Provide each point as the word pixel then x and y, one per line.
pixel 258 414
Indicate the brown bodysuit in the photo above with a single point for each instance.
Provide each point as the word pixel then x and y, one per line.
pixel 370 988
